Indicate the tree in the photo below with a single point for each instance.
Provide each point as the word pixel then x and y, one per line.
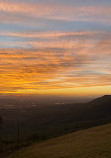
pixel 0 120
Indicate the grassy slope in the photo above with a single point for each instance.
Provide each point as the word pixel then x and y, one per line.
pixel 90 143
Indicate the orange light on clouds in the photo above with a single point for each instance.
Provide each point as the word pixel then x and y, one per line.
pixel 55 71
pixel 61 47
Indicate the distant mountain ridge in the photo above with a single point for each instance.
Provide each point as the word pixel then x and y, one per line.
pixel 103 98
pixel 102 104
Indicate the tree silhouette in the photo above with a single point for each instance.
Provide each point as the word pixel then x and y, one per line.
pixel 0 120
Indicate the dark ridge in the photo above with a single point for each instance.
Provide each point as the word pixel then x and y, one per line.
pixel 103 98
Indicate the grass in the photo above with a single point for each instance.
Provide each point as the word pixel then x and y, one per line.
pixel 89 143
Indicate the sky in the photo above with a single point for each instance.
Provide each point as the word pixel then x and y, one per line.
pixel 60 47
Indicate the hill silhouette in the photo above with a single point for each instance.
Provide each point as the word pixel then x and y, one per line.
pixel 100 108
pixel 106 99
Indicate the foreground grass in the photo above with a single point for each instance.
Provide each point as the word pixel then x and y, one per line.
pixel 90 143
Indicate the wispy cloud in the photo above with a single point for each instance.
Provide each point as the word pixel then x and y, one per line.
pixel 55 11
pixel 42 46
pixel 63 40
pixel 47 68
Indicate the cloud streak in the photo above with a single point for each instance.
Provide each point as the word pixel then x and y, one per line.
pixel 54 46
pixel 33 70
pixel 63 40
pixel 55 11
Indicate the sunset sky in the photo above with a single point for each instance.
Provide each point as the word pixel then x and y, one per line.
pixel 58 47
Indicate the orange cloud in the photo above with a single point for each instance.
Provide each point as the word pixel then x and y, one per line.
pixel 34 71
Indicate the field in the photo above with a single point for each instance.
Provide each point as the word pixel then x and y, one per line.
pixel 89 143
